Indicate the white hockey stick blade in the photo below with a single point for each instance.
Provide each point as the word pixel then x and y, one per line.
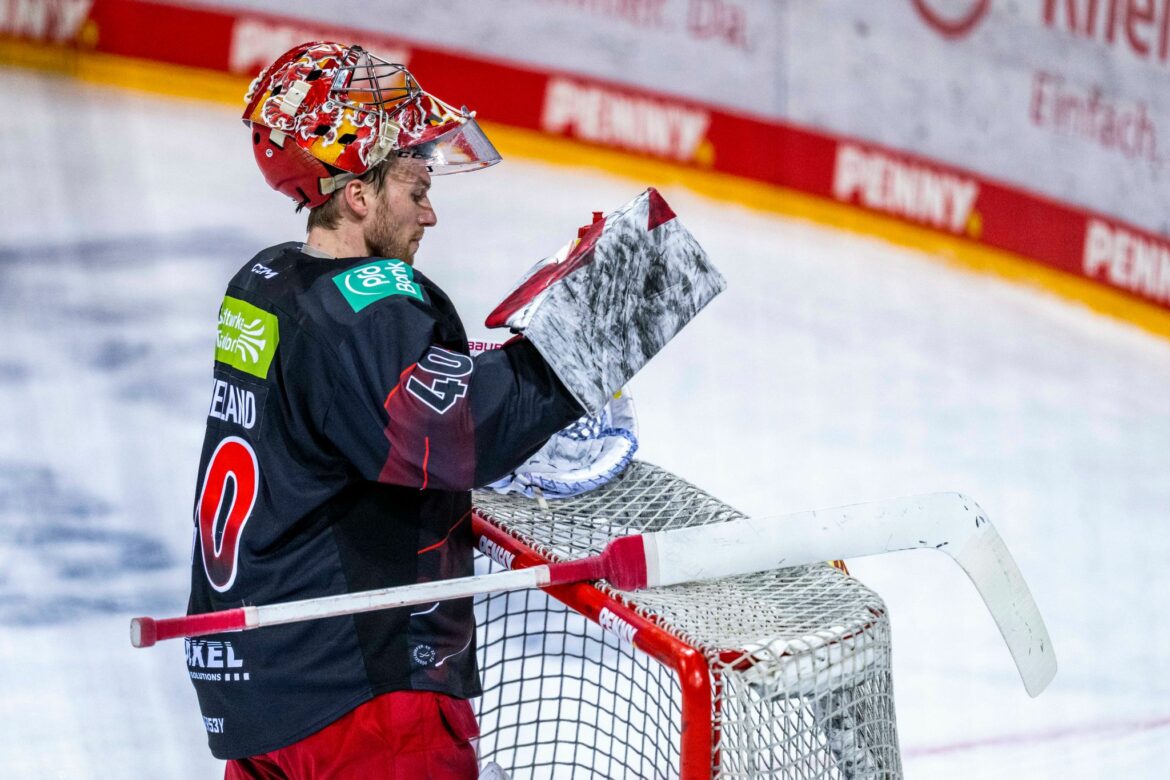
pixel 950 522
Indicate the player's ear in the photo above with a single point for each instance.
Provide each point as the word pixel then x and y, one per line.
pixel 357 197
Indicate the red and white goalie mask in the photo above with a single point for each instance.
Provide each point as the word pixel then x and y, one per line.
pixel 324 113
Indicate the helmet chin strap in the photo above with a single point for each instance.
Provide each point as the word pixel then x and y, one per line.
pixel 331 184
pixel 387 137
pixel 382 148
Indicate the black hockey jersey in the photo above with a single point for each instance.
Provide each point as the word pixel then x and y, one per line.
pixel 347 425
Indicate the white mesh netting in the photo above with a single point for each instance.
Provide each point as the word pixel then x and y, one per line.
pixel 798 660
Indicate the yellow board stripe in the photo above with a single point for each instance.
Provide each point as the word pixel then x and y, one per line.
pixel 222 88
pixel 141 75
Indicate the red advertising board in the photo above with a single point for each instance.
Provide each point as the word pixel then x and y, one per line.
pixel 925 193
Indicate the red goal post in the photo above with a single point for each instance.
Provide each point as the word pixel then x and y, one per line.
pixel 686 662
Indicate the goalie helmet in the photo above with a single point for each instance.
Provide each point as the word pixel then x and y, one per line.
pixel 324 113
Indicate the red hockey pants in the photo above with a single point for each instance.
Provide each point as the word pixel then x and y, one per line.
pixel 404 735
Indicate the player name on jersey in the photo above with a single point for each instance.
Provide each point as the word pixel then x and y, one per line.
pixel 233 404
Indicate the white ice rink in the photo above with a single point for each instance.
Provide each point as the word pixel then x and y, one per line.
pixel 835 369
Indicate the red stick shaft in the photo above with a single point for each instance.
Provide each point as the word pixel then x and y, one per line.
pixel 622 563
pixel 145 631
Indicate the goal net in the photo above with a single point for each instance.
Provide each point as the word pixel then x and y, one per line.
pixel 783 674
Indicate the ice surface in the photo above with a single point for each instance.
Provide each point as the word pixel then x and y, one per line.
pixel 835 368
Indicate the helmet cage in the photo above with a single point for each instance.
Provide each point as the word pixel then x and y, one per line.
pixel 371 85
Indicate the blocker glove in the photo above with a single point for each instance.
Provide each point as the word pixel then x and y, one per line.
pixel 599 309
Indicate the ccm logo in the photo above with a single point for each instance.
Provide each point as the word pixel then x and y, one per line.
pixel 953 18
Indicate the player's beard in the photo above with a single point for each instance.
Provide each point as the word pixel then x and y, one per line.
pixel 386 237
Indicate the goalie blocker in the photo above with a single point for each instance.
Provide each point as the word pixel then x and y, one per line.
pixel 604 305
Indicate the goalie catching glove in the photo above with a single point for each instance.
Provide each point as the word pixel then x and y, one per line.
pixel 602 307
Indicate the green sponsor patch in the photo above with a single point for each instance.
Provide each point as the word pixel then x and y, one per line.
pixel 247 337
pixel 374 281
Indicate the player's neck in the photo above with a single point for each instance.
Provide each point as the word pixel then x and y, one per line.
pixel 343 241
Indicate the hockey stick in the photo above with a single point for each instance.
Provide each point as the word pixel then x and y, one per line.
pixel 950 522
pixel 944 521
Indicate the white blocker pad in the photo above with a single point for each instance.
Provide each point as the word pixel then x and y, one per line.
pixel 600 309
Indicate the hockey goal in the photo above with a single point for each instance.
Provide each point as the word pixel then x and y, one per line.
pixel 784 674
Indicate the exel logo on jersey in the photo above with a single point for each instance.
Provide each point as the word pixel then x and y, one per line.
pixel 215 655
pixel 375 281
pixel 247 337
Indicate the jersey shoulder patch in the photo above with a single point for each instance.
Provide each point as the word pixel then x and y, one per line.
pixel 375 280
pixel 246 337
